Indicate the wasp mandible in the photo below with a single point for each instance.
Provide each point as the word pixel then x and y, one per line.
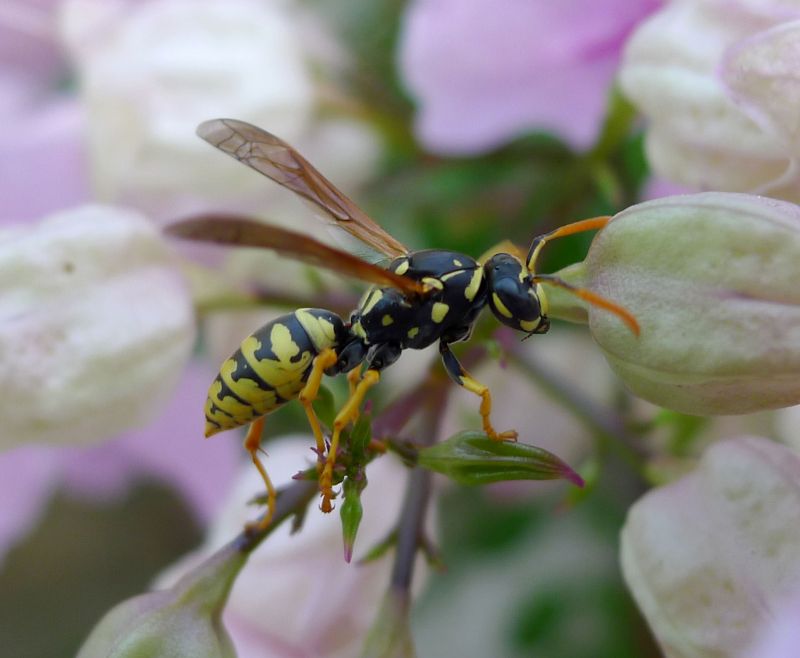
pixel 420 298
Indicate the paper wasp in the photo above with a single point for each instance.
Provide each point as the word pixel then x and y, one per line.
pixel 420 298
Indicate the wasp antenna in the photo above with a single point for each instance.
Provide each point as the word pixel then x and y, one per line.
pixel 594 299
pixel 568 229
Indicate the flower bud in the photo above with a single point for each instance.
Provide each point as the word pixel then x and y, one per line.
pixel 351 513
pixel 181 622
pixel 95 326
pixel 703 131
pixel 712 280
pixel 473 458
pixel 711 558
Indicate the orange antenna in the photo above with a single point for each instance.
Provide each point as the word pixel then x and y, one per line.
pixel 592 298
pixel 568 229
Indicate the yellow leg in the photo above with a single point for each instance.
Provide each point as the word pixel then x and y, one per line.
pixel 252 443
pixel 347 414
pixel 486 409
pixel 463 378
pixel 353 377
pixel 322 362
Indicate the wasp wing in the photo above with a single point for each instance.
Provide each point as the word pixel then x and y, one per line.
pixel 244 232
pixel 271 156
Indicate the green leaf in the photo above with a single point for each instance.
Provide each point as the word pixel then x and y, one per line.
pixel 473 458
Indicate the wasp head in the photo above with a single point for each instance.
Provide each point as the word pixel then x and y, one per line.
pixel 515 299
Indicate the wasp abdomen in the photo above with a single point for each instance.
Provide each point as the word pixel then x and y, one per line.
pixel 270 368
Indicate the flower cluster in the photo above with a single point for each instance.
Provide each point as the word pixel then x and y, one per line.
pixel 109 336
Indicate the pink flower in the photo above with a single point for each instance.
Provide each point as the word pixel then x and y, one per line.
pixel 781 636
pixel 170 450
pixel 42 155
pixel 483 72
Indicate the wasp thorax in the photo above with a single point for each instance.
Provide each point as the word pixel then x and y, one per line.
pixel 513 295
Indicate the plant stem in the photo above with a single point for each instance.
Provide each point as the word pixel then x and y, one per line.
pixel 292 499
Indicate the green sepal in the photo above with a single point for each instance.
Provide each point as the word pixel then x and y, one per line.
pixel 589 472
pixel 380 549
pixel 351 512
pixel 360 438
pixel 473 458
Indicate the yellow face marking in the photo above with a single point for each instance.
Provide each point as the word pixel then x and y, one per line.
pixel 457 262
pixel 475 283
pixel 433 283
pixel 373 297
pixel 530 325
pixel 413 332
pixel 438 312
pixel 402 268
pixel 386 320
pixel 498 304
pixel 320 330
pixel 358 330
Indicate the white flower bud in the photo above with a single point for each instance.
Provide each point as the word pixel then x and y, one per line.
pixel 701 133
pixel 95 326
pixel 710 558
pixel 152 73
pixel 712 280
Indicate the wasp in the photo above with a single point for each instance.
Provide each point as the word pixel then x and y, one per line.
pixel 420 298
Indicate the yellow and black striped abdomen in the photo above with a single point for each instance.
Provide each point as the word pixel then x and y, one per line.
pixel 269 368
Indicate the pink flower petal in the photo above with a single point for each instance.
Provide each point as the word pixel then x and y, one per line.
pixel 483 72
pixel 171 450
pixel 28 476
pixel 43 164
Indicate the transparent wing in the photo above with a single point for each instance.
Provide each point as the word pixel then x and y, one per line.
pixel 244 232
pixel 271 156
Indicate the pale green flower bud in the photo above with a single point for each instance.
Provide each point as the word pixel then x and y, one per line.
pixel 390 635
pixel 713 281
pixel 712 558
pixel 180 622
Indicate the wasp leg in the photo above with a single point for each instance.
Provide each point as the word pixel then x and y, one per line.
pixel 324 360
pixel 576 227
pixel 353 377
pixel 252 443
pixel 463 378
pixel 347 414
